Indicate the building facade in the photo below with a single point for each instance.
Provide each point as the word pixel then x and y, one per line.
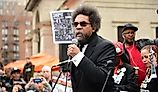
pixel 15 23
pixel 114 13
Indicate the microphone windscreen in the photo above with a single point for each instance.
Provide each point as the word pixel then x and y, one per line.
pixel 75 41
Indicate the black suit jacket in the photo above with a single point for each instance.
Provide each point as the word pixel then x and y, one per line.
pixel 92 71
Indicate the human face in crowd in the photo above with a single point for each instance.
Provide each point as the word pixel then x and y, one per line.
pixel 129 35
pixel 83 28
pixel 28 60
pixel 8 72
pixel 146 58
pixel 16 75
pixel 46 74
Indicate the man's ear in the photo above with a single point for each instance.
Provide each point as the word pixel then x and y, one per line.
pixel 93 29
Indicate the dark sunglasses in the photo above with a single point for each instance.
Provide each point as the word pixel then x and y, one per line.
pixel 83 24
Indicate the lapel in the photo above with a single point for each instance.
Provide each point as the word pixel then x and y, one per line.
pixel 91 45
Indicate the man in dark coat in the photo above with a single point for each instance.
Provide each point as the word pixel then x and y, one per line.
pixel 92 66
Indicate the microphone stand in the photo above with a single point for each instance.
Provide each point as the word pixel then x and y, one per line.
pixel 68 63
pixel 66 78
pixel 56 81
pixel 106 80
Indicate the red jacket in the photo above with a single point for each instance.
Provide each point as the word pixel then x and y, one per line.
pixel 136 61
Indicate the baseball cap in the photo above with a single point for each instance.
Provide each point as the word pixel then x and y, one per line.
pixel 129 26
pixel 15 69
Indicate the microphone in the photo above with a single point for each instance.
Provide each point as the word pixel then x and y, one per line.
pixel 74 41
pixel 62 63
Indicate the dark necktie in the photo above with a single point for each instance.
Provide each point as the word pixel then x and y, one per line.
pixel 81 46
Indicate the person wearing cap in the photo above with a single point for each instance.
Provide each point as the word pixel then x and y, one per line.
pixel 16 79
pixel 133 47
pixel 124 74
pixel 128 33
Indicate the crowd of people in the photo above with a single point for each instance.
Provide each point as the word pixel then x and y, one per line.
pixel 98 65
pixel 13 80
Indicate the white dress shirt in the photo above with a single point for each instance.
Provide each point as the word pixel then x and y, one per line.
pixel 77 58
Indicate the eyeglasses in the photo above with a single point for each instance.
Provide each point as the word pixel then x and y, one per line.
pixel 83 24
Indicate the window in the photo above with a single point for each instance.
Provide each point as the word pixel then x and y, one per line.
pixel 5 47
pixel 28 23
pixel 16 38
pixel 4 31
pixel 27 31
pixel 15 47
pixel 16 32
pixel 119 35
pixel 5 39
pixel 15 55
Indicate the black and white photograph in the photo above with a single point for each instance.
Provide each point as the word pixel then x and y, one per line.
pixel 62 26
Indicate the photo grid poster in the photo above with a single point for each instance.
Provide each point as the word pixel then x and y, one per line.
pixel 62 26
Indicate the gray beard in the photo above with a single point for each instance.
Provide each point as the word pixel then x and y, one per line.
pixel 129 43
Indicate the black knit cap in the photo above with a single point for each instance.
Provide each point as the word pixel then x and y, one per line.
pixel 15 69
pixel 129 26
